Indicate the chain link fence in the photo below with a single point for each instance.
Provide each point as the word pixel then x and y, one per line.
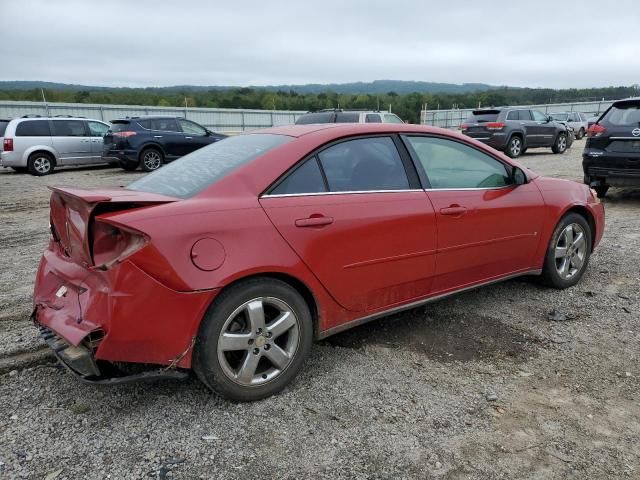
pixel 217 119
pixel 455 117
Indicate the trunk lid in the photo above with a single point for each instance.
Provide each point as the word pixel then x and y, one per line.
pixel 475 125
pixel 73 211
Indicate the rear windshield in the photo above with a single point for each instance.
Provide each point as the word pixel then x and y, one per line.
pixel 623 115
pixel 3 126
pixel 195 172
pixel 320 117
pixel 119 126
pixel 483 116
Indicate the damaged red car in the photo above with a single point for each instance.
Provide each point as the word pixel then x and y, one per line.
pixel 232 260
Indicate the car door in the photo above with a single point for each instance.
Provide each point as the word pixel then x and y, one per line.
pixel 195 136
pixel 488 227
pixel 544 129
pixel 166 132
pixel 97 131
pixel 356 216
pixel 72 142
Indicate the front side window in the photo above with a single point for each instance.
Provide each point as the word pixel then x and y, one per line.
pixel 538 116
pixel 191 128
pixel 453 165
pixel 345 117
pixel 33 128
pixel 391 118
pixel 364 164
pixel 185 177
pixel 97 129
pixel 373 118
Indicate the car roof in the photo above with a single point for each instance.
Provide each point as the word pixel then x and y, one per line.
pixel 346 129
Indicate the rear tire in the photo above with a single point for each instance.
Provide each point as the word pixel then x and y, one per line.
pixel 514 147
pixel 568 252
pixel 560 145
pixel 253 340
pixel 40 163
pixel 151 159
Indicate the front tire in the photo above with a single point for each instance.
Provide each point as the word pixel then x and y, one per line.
pixel 514 147
pixel 560 146
pixel 40 163
pixel 568 252
pixel 580 134
pixel 253 340
pixel 151 159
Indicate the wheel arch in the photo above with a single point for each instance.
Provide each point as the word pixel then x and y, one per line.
pixel 587 215
pixel 298 285
pixel 151 145
pixel 521 135
pixel 40 149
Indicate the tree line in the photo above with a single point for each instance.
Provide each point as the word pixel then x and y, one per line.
pixel 407 106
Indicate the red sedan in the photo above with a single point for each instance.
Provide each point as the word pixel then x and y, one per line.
pixel 231 260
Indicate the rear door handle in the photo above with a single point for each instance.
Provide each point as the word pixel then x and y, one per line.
pixel 157 136
pixel 453 210
pixel 188 138
pixel 314 221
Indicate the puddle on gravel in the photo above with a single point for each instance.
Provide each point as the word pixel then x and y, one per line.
pixel 443 337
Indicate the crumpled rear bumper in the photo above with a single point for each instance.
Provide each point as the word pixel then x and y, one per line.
pixel 119 315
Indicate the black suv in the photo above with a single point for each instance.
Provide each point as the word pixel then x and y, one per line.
pixel 513 130
pixel 148 142
pixel 611 154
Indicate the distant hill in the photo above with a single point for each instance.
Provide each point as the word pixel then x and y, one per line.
pixel 400 87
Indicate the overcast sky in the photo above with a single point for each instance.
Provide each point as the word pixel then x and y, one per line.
pixel 539 43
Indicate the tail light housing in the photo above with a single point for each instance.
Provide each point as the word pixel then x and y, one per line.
pixel 124 134
pixel 595 130
pixel 464 126
pixel 7 145
pixel 112 244
pixel 494 125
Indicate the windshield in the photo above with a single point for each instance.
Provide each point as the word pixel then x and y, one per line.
pixel 192 173
pixel 562 117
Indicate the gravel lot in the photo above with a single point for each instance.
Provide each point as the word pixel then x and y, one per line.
pixel 479 386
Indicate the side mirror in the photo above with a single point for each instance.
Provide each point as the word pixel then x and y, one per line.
pixel 519 177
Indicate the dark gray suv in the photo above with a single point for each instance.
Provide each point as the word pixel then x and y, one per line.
pixel 513 130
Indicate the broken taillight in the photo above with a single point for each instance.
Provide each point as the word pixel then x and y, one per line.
pixel 112 244
pixel 595 130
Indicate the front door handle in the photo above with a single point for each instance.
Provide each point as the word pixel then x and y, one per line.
pixel 188 138
pixel 157 136
pixel 314 221
pixel 453 210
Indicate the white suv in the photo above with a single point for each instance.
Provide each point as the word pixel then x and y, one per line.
pixel 348 116
pixel 39 144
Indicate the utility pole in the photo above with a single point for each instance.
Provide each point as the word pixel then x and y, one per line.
pixel 44 100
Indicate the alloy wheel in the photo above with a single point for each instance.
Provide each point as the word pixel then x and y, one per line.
pixel 515 146
pixel 42 165
pixel 258 341
pixel 152 160
pixel 562 143
pixel 570 251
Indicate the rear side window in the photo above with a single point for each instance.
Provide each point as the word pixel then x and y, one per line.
pixel 3 127
pixel 483 116
pixel 33 128
pixel 344 117
pixel 305 179
pixel 519 115
pixel 363 165
pixel 320 117
pixel 68 128
pixel 373 118
pixel 185 177
pixel 622 115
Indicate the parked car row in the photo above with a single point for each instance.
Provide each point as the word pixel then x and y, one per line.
pixel 40 144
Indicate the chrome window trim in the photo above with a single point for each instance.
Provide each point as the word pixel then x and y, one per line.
pixel 350 192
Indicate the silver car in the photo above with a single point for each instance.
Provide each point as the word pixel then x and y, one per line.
pixel 39 144
pixel 575 120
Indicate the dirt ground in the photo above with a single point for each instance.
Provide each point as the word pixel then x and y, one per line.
pixel 479 386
